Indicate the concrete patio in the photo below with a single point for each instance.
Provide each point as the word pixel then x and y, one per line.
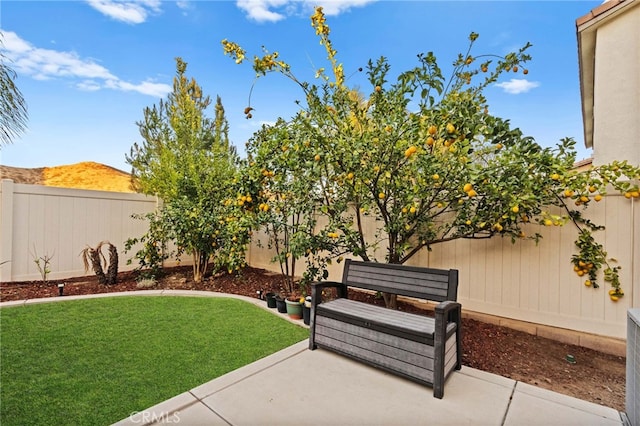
pixel 300 387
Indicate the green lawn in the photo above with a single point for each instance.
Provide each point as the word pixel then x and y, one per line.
pixel 95 361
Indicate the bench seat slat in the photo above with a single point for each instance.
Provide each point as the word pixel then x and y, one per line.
pixel 419 328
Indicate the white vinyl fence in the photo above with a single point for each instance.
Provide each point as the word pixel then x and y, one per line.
pixel 41 221
pixel 521 281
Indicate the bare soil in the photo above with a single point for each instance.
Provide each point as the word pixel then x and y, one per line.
pixel 596 377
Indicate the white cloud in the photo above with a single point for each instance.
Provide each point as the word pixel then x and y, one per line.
pixel 268 123
pixel 263 10
pixel 158 90
pixel 130 12
pixel 14 43
pixel 336 7
pixel 88 86
pixel 515 86
pixel 47 64
pixel 258 10
pixel 184 5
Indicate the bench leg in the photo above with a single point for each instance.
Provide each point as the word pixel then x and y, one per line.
pixel 439 352
pixel 458 347
pixel 312 330
pixel 438 370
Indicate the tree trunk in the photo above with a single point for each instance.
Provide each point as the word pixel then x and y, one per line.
pixel 391 300
pixel 112 270
pixel 200 262
pixel 97 265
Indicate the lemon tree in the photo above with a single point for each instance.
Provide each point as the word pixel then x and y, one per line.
pixel 277 189
pixel 422 155
pixel 187 161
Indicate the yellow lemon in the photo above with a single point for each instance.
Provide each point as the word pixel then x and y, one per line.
pixel 410 151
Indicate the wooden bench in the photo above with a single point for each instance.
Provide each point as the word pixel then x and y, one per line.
pixel 418 347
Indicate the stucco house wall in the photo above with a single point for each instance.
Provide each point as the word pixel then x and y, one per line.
pixel 609 54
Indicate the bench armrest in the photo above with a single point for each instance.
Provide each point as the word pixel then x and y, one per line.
pixel 317 287
pixel 448 311
pixel 316 299
pixel 445 313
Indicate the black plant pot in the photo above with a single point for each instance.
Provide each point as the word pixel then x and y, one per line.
pixel 281 305
pixel 271 300
pixel 306 314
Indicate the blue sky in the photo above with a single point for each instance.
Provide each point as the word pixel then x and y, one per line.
pixel 87 69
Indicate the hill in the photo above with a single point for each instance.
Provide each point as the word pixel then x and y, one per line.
pixel 84 175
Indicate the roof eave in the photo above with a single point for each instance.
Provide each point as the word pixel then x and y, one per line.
pixel 586 56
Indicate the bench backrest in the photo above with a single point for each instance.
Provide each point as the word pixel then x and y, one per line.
pixel 423 283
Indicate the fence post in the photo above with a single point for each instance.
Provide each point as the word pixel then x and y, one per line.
pixel 6 229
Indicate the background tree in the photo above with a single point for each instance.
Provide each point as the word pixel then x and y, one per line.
pixel 426 159
pixel 186 160
pixel 13 107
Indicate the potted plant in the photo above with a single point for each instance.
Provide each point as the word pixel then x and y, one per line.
pixel 306 310
pixel 271 299
pixel 294 306
pixel 281 304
